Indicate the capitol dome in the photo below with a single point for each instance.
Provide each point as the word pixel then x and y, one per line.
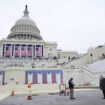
pixel 25 28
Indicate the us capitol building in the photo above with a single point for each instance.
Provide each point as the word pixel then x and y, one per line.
pixel 26 58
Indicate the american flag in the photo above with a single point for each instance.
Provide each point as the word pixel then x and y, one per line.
pixel 8 50
pixel 38 50
pixel 23 50
pixel 29 51
pixel 17 50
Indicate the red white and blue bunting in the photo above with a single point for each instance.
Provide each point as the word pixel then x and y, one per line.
pixel 44 76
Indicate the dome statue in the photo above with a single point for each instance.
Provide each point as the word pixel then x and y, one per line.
pixel 25 28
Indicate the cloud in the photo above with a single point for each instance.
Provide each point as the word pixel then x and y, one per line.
pixel 73 24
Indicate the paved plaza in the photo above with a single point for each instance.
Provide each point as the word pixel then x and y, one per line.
pixel 83 97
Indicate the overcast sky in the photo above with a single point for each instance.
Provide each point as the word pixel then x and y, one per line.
pixel 75 25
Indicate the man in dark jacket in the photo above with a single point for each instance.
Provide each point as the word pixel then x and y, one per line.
pixel 71 87
pixel 102 85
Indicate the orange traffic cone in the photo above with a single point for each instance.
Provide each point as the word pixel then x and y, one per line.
pixel 29 85
pixel 13 93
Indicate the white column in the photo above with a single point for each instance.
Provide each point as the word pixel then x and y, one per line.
pixel 4 49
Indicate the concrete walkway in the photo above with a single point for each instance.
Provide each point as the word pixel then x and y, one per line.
pixel 3 96
pixel 83 97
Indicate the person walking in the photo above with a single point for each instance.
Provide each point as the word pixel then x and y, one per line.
pixel 71 87
pixel 102 85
